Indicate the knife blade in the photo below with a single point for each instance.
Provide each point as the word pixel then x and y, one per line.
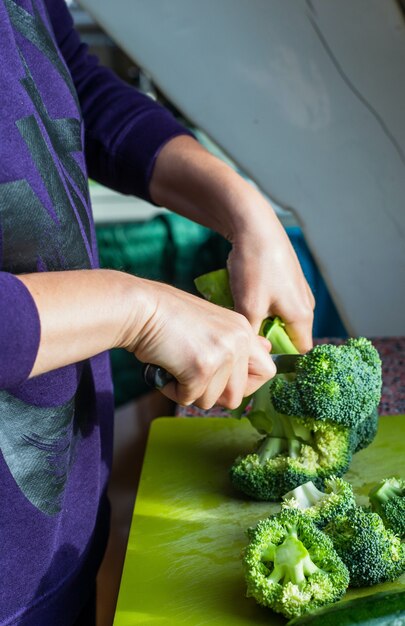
pixel 157 377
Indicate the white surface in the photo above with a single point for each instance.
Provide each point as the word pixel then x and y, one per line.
pixel 309 99
pixel 111 207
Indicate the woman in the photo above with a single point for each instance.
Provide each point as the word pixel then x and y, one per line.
pixel 64 117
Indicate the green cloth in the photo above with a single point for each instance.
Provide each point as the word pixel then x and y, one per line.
pixel 168 248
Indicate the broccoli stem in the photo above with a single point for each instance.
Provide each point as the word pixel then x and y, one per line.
pixel 271 447
pixel 294 448
pixel 385 491
pixel 292 561
pixel 274 331
pixel 306 495
pixel 267 420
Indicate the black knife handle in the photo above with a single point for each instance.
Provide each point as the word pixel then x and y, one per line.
pixel 156 376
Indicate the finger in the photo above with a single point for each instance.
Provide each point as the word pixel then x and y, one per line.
pixel 187 388
pixel 300 333
pixel 216 388
pixel 265 343
pixel 234 390
pixel 260 370
pixel 300 328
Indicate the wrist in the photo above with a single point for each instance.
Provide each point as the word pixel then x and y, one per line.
pixel 135 305
pixel 192 182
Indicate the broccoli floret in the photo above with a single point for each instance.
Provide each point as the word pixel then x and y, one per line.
pixel 281 463
pixel 321 506
pixel 294 451
pixel 364 432
pixel 340 384
pixel 291 566
pixel 372 553
pixel 388 500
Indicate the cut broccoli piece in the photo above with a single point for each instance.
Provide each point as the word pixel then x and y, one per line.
pixel 388 500
pixel 295 451
pixel 291 566
pixel 372 553
pixel 321 506
pixel 341 384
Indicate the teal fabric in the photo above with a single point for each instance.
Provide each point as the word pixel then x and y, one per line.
pixel 172 249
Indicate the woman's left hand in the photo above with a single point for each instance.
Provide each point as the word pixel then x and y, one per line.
pixel 266 277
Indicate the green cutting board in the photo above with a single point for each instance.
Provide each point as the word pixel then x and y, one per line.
pixel 188 530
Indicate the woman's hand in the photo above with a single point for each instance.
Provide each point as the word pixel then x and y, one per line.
pixel 265 274
pixel 266 277
pixel 213 353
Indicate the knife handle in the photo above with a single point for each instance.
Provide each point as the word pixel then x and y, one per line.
pixel 156 376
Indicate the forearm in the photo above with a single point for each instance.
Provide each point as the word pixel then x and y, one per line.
pixel 189 180
pixel 83 313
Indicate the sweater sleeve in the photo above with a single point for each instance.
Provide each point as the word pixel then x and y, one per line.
pixel 19 331
pixel 124 129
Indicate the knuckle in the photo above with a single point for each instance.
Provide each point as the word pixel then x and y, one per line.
pixel 204 404
pixel 304 313
pixel 200 366
pixel 187 395
pixel 233 401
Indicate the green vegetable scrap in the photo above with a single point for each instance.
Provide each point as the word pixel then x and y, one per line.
pixel 387 498
pixel 291 566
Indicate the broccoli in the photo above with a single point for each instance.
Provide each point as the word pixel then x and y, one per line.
pixel 320 506
pixel 340 384
pixel 387 498
pixel 372 553
pixel 313 419
pixel 364 432
pixel 291 566
pixel 296 451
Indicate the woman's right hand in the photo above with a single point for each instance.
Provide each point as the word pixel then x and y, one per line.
pixel 213 353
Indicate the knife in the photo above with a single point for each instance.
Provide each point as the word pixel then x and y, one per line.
pixel 157 377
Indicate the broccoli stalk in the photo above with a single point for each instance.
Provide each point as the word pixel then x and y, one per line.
pixel 274 331
pixel 305 496
pixel 291 560
pixel 271 447
pixel 321 506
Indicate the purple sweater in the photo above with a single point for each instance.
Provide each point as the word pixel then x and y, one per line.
pixel 62 117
